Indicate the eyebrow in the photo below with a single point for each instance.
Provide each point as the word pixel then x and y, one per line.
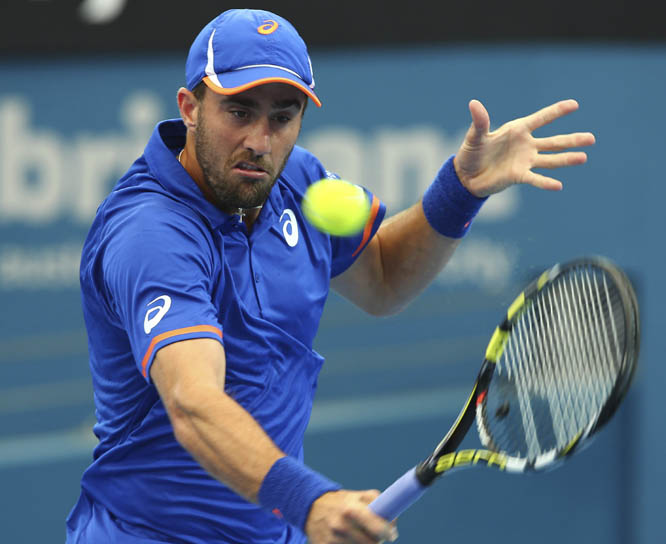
pixel 250 103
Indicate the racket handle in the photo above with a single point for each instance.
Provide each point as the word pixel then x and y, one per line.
pixel 399 496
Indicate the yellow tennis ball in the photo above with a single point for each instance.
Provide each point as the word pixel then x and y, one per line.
pixel 336 207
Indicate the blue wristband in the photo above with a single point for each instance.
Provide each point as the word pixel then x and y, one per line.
pixel 448 206
pixel 291 488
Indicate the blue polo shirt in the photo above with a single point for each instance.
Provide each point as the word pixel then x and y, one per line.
pixel 162 264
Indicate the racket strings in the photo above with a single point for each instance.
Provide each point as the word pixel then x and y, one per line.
pixel 558 367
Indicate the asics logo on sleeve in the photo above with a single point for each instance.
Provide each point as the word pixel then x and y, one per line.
pixel 289 227
pixel 155 314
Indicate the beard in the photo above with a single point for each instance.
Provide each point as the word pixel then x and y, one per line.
pixel 233 192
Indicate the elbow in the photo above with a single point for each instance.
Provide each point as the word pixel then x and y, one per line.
pixel 384 306
pixel 183 432
pixel 388 311
pixel 182 411
pixel 181 423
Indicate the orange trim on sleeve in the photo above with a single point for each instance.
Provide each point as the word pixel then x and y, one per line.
pixel 170 334
pixel 374 209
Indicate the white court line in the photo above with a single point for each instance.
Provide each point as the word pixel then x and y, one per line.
pixel 342 414
pixel 327 416
pixel 44 346
pixel 30 398
pixel 42 448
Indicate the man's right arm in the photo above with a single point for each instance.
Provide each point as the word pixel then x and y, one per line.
pixel 219 433
pixel 231 446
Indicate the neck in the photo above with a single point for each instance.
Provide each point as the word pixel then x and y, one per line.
pixel 191 166
pixel 248 215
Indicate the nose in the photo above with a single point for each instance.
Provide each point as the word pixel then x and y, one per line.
pixel 258 138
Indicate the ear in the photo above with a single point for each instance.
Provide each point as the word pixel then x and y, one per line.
pixel 188 106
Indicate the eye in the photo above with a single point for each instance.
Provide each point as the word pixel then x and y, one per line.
pixel 239 114
pixel 282 118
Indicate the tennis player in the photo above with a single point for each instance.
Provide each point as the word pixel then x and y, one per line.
pixel 203 287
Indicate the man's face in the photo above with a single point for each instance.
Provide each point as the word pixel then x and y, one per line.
pixel 243 141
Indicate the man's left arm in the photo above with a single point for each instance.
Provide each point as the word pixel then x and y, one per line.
pixel 399 262
pixel 411 248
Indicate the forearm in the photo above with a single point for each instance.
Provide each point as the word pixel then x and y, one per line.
pixel 409 263
pixel 217 431
pixel 411 248
pixel 400 261
pixel 225 439
pixel 240 454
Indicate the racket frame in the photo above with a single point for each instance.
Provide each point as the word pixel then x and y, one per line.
pixel 407 489
pixel 447 457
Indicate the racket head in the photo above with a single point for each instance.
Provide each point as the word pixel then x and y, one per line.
pixel 562 361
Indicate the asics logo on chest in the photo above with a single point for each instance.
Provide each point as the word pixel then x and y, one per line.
pixel 289 227
pixel 155 314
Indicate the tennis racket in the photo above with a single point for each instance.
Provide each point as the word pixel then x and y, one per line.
pixel 554 373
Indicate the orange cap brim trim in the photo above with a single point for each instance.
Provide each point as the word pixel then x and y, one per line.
pixel 256 83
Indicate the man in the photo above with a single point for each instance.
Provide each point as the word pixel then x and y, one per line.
pixel 203 286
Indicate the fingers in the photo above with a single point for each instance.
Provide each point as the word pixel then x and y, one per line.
pixel 542 182
pixel 344 517
pixel 370 524
pixel 368 495
pixel 480 123
pixel 371 530
pixel 488 162
pixel 550 113
pixel 558 160
pixel 565 141
pixel 389 534
pixel 360 535
pixel 555 160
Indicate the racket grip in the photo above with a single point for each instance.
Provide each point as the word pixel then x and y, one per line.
pixel 399 496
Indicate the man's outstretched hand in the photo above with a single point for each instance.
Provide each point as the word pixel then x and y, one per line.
pixel 488 162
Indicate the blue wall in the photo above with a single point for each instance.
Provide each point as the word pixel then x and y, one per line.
pixel 390 387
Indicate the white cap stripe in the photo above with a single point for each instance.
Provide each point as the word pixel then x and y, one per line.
pixel 210 65
pixel 268 66
pixel 312 85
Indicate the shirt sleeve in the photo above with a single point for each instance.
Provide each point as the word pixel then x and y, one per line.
pixel 158 275
pixel 345 250
pixel 303 169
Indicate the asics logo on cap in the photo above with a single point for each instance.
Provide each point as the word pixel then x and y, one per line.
pixel 268 27
pixel 155 314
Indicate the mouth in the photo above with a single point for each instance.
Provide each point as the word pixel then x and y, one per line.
pixel 249 169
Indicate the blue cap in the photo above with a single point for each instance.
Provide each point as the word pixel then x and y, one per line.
pixel 243 48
